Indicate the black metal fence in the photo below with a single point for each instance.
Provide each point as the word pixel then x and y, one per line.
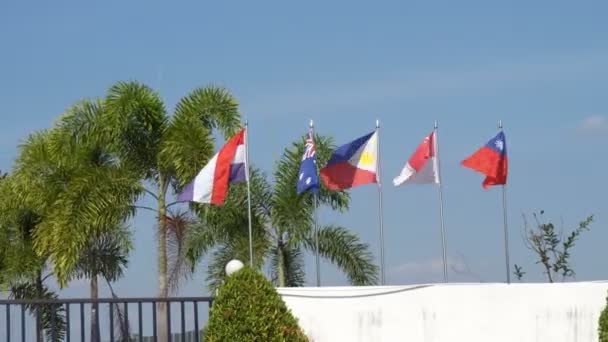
pixel 126 319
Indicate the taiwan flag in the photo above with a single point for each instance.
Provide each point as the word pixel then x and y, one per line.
pixel 491 160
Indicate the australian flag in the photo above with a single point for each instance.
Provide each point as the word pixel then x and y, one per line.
pixel 307 177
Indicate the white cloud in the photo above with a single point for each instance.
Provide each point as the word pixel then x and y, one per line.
pixel 594 124
pixel 431 270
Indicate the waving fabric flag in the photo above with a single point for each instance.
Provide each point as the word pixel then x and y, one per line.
pixel 308 178
pixel 491 160
pixel 353 164
pixel 227 166
pixel 421 168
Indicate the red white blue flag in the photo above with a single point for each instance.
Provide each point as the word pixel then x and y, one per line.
pixel 227 166
pixel 491 160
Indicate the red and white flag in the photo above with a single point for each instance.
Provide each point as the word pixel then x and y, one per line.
pixel 228 165
pixel 422 166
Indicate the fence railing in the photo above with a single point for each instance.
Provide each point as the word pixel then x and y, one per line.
pixel 126 319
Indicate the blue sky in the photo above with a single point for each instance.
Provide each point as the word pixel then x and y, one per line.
pixel 539 66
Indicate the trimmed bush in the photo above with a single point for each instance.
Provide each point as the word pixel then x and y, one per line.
pixel 603 324
pixel 248 308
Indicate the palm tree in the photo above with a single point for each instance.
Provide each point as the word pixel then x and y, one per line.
pixel 138 149
pixel 105 256
pixel 80 194
pixel 74 182
pixel 166 151
pixel 22 271
pixel 283 226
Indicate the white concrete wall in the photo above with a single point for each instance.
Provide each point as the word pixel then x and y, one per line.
pixel 565 312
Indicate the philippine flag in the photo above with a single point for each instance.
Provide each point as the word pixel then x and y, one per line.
pixel 353 164
pixel 491 160
pixel 227 166
pixel 422 166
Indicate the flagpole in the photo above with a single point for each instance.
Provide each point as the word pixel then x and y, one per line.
pixel 315 218
pixel 380 209
pixel 440 190
pixel 248 192
pixel 506 227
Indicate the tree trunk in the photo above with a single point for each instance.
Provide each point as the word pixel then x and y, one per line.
pixel 95 333
pixel 39 327
pixel 280 265
pixel 162 263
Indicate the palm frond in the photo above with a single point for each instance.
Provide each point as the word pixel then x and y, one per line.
pixel 105 255
pixel 52 316
pixel 287 168
pixel 179 225
pixel 226 227
pixel 76 185
pixel 292 212
pixel 188 144
pixel 121 321
pixel 214 107
pixel 235 248
pixel 344 249
pixel 186 147
pixel 136 119
pixel 290 259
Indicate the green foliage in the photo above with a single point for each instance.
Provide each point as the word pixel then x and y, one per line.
pixel 105 255
pixel 21 269
pixel 248 308
pixel 282 224
pixel 166 152
pixel 519 272
pixel 65 202
pixel 551 248
pixel 70 178
pixel 51 315
pixel 603 324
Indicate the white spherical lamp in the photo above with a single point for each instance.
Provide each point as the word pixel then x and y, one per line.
pixel 233 266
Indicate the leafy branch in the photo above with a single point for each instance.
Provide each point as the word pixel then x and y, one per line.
pixel 552 249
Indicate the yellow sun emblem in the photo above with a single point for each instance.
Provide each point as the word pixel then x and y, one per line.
pixel 367 158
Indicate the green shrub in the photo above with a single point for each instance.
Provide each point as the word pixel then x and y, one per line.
pixel 248 308
pixel 603 324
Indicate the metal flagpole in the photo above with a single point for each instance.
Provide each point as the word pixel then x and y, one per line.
pixel 506 227
pixel 440 189
pixel 316 217
pixel 380 211
pixel 248 192
pixel 317 260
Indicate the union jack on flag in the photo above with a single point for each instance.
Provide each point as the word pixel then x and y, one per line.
pixel 310 147
pixel 308 179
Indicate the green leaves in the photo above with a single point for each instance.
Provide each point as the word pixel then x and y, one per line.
pixel 75 183
pixel 83 176
pixel 603 324
pixel 214 107
pixel 105 254
pixel 52 316
pixel 345 249
pixel 550 247
pixel 135 119
pixel 187 144
pixel 248 308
